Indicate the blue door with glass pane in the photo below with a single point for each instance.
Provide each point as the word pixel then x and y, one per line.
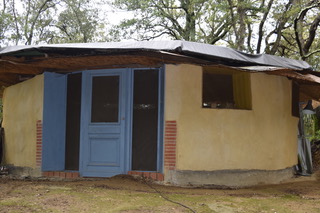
pixel 103 143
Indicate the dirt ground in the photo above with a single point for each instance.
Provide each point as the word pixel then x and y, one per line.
pixel 129 195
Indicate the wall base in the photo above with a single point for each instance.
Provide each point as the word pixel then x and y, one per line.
pixel 227 178
pixel 24 171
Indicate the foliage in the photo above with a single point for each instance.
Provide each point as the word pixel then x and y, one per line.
pixel 48 21
pixel 310 125
pixel 316 136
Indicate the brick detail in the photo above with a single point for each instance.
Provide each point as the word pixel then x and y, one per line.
pixel 58 174
pixel 170 140
pixel 39 143
pixel 148 175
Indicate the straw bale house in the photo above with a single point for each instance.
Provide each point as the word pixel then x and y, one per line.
pixel 177 112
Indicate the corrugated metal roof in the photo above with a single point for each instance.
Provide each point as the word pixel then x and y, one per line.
pixel 227 55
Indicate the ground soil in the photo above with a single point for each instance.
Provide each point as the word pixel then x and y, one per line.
pixel 130 195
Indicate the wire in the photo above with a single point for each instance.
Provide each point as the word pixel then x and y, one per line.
pixel 168 199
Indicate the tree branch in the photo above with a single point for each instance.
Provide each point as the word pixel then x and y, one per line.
pixel 261 24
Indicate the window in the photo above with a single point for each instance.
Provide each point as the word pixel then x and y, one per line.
pixel 225 89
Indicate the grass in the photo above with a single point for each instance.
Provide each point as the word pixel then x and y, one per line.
pixel 137 197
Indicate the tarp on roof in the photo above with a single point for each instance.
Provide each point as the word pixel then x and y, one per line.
pixel 181 47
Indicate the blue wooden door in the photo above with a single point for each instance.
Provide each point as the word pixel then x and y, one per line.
pixel 103 147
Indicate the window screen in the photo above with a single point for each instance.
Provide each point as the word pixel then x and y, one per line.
pixel 105 99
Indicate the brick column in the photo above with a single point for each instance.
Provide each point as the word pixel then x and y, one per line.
pixel 170 145
pixel 39 143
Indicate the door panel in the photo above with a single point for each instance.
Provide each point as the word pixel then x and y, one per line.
pixel 103 123
pixel 98 147
pixel 54 122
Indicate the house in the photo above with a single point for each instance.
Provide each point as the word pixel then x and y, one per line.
pixel 179 112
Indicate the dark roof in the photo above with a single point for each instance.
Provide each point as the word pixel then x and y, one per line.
pixel 19 63
pixel 221 55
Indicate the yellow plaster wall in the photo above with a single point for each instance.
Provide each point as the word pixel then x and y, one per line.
pixel 217 139
pixel 22 107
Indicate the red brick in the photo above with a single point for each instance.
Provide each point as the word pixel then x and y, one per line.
pixel 160 177
pixel 62 175
pixel 56 174
pixel 168 157
pixel 134 173
pixel 49 174
pixel 75 174
pixel 171 122
pixel 170 154
pixel 168 121
pixel 171 126
pixel 69 175
pixel 170 163
pixel 153 176
pixel 170 144
pixel 45 174
pixel 171 129
pixel 170 147
pixel 146 174
pixel 170 140
pixel 170 135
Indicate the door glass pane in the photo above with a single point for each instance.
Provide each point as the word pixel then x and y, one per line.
pixel 105 99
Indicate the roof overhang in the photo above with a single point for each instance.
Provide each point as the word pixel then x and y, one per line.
pixel 21 62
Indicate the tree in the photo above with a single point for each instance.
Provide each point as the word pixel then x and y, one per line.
pixel 78 22
pixel 296 31
pixel 48 21
pixel 278 27
pixel 192 20
pixel 305 29
pixel 5 20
